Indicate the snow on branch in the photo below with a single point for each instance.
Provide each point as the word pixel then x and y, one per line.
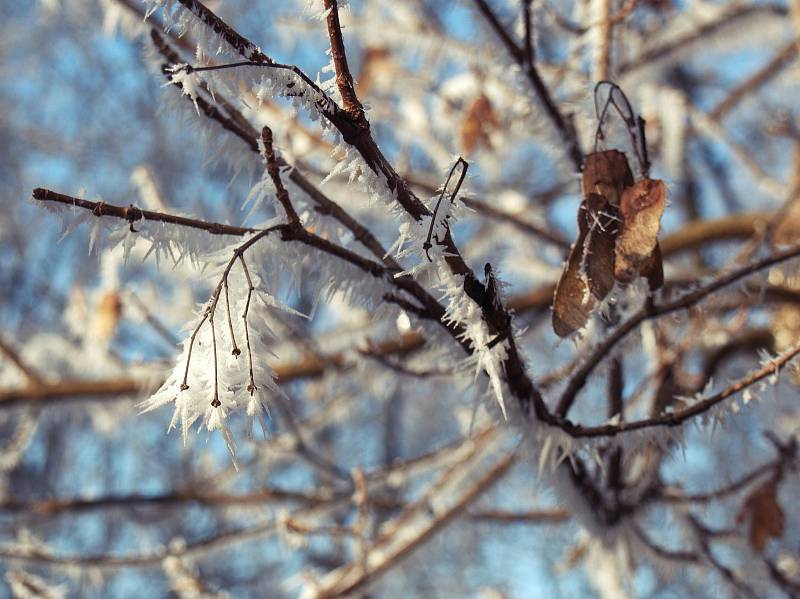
pixel 196 392
pixel 290 81
pixel 211 379
pixel 355 131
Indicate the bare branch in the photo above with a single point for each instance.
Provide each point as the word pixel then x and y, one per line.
pixel 344 80
pixel 133 214
pixel 562 125
pixel 275 175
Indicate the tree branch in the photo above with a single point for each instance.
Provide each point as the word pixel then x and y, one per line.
pixel 344 80
pixel 562 125
pixel 649 311
pixel 133 214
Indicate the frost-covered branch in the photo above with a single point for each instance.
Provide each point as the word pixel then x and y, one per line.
pixel 653 310
pixel 354 132
pixel 274 174
pixel 132 214
pixel 769 370
pixel 230 119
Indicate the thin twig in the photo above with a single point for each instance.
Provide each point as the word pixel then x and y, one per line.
pixel 251 385
pixel 30 374
pixel 679 417
pixel 529 51
pixel 344 80
pixel 562 125
pixel 275 175
pixel 133 214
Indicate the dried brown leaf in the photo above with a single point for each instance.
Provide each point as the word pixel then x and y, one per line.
pixel 602 224
pixel 641 207
pixel 478 124
pixel 653 269
pixel 763 513
pixel 107 316
pixel 589 274
pixel 607 174
pixel 573 303
pixel 378 70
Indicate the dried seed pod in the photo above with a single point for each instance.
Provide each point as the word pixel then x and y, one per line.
pixel 573 303
pixel 637 250
pixel 607 174
pixel 598 252
pixel 589 273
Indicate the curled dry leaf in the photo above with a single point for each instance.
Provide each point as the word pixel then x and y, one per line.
pixel 637 252
pixel 589 274
pixel 618 225
pixel 763 513
pixel 607 174
pixel 573 303
pixel 478 124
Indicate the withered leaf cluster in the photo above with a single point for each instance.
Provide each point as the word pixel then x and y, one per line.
pixel 763 514
pixel 618 225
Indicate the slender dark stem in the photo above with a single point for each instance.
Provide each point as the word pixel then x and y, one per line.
pixel 251 386
pixel 133 214
pixel 616 384
pixel 235 351
pixel 275 175
pixel 215 401
pixel 185 383
pixel 527 45
pixel 562 125
pixel 210 312
pixel 464 166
